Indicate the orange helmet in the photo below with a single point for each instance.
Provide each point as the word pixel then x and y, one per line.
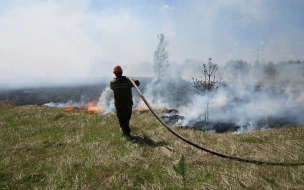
pixel 117 69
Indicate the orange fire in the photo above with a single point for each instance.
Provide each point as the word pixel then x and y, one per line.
pixel 142 106
pixel 89 108
pixel 68 108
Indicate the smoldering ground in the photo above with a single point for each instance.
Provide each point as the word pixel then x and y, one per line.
pixel 248 99
pixel 245 101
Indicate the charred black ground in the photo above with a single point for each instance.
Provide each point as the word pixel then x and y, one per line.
pixel 175 93
pixel 41 95
pixel 172 117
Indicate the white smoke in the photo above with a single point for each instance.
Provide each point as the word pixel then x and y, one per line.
pixel 106 101
pixel 263 101
pixel 84 38
pixel 62 105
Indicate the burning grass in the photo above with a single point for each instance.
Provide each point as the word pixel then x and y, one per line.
pixel 90 108
pixel 48 148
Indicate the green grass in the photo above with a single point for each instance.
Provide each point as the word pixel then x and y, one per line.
pixel 47 148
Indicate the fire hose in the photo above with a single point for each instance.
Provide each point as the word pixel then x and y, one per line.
pixel 247 160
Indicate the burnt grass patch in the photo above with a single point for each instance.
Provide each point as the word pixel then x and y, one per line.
pixel 90 92
pixel 40 95
pixel 171 117
pixel 43 95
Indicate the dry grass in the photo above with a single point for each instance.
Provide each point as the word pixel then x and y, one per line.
pixel 46 148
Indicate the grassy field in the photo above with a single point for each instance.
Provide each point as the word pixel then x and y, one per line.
pixel 47 148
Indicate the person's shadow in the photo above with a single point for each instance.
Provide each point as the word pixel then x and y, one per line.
pixel 145 140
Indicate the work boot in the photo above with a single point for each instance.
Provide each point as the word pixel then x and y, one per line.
pixel 128 136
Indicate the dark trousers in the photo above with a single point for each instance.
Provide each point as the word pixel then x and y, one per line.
pixel 123 114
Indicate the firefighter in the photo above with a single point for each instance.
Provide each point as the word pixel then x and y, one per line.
pixel 123 102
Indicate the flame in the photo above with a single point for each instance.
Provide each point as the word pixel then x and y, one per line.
pixel 89 108
pixel 68 108
pixel 141 105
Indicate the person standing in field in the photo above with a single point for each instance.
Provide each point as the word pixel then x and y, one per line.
pixel 123 102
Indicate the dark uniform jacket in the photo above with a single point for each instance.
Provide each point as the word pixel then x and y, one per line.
pixel 122 91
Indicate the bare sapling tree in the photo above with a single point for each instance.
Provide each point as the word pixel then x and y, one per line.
pixel 160 59
pixel 209 85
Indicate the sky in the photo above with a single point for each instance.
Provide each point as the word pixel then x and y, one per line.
pixel 86 38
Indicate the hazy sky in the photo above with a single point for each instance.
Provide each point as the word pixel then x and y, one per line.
pixel 80 38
